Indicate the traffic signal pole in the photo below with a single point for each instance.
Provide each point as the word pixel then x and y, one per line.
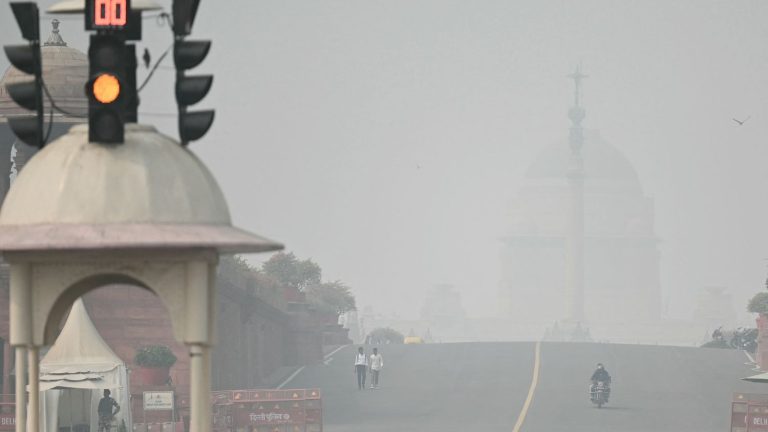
pixel 26 58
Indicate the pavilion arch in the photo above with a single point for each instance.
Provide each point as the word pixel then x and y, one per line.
pixel 51 282
pixel 64 303
pixel 44 285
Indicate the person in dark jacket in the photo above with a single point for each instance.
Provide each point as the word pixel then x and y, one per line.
pixel 601 375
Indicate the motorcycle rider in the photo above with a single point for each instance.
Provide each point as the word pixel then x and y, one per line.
pixel 601 375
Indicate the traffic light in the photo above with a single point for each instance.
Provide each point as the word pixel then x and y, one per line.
pixel 26 58
pixel 107 88
pixel 190 89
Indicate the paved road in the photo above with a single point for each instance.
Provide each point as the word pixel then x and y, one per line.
pixel 484 387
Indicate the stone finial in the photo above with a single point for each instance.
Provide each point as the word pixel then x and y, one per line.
pixel 577 113
pixel 55 38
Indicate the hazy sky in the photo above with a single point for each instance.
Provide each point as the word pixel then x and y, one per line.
pixel 384 139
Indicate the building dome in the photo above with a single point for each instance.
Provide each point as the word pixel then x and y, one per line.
pixel 65 73
pixel 605 166
pixel 615 204
pixel 147 192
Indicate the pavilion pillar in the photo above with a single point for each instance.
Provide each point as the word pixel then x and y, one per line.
pixel 21 337
pixel 34 388
pixel 198 337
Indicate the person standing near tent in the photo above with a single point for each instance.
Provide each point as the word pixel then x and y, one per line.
pixel 105 411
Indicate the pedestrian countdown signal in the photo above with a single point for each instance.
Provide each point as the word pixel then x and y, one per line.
pixel 107 14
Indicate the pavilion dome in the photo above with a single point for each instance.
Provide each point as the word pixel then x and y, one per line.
pixel 148 192
pixel 65 73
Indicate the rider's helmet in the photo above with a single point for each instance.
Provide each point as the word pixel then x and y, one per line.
pixel 599 365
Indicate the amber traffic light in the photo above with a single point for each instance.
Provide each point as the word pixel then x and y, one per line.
pixel 106 88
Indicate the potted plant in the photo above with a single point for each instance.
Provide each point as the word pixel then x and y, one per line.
pixel 153 365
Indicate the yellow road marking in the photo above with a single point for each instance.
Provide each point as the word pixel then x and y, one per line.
pixel 531 390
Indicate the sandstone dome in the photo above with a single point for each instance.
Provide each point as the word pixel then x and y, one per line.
pixel 615 204
pixel 65 72
pixel 606 169
pixel 148 192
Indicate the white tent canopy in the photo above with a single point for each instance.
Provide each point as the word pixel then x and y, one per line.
pixel 761 378
pixel 74 373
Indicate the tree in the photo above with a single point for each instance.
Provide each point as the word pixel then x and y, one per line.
pixel 759 303
pixel 383 335
pixel 287 269
pixel 331 297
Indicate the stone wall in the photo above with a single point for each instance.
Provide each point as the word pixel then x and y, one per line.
pixel 761 356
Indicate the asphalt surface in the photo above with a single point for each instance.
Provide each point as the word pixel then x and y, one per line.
pixel 484 387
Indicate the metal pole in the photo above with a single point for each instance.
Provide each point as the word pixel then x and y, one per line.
pixel 21 389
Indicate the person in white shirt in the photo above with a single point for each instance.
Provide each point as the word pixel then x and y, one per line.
pixel 361 368
pixel 377 362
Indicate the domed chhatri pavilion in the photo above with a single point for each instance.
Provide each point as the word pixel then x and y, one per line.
pixel 581 245
pixel 146 213
pixel 65 72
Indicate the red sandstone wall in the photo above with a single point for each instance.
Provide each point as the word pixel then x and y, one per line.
pixel 761 356
pixel 128 318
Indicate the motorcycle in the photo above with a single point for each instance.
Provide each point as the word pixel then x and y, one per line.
pixel 745 339
pixel 599 392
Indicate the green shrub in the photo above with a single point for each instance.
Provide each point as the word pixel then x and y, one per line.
pixel 154 356
pixel 717 344
pixel 759 303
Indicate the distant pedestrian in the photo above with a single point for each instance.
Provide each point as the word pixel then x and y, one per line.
pixel 377 363
pixel 361 368
pixel 106 414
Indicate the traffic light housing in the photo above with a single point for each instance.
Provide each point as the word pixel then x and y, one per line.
pixel 190 89
pixel 26 58
pixel 107 88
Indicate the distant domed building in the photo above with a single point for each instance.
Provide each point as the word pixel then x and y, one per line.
pixel 65 73
pixel 619 251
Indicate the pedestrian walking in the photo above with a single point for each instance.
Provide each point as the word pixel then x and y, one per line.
pixel 361 368
pixel 377 363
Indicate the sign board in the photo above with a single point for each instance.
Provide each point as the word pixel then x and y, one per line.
pixel 158 400
pixel 7 422
pixel 267 409
pixel 749 413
